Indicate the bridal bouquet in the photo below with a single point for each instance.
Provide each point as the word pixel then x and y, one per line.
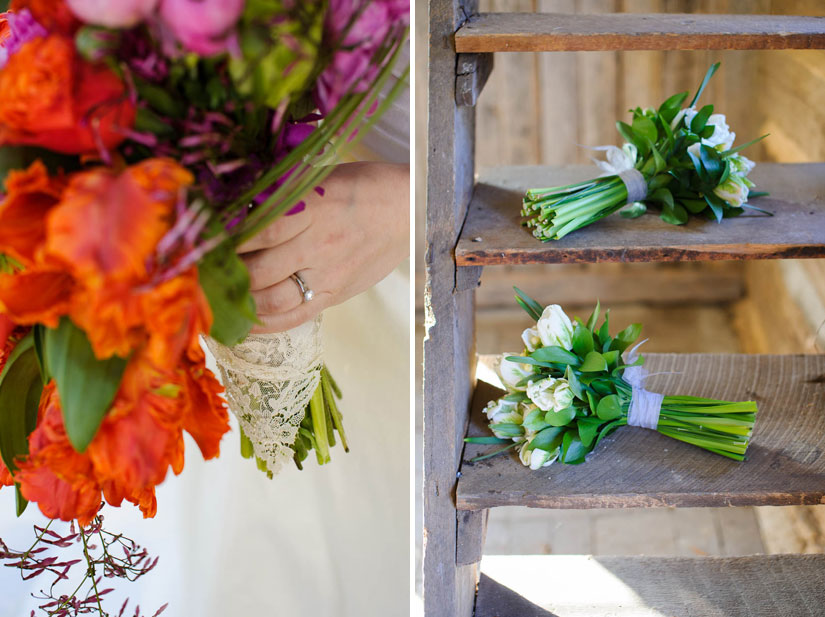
pixel 140 142
pixel 575 384
pixel 679 161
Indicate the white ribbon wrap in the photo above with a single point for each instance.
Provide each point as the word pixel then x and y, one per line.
pixel 644 405
pixel 636 185
pixel 269 379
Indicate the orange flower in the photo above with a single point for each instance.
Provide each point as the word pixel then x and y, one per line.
pixel 54 99
pixel 30 195
pixel 51 14
pixel 36 296
pixel 205 416
pixel 54 475
pixel 5 475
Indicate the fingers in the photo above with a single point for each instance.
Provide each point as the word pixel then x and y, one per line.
pixel 295 317
pixel 273 265
pixel 278 298
pixel 282 230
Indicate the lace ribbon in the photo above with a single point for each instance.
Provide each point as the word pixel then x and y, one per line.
pixel 269 379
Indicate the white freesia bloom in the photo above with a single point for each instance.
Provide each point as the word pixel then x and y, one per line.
pixel 555 328
pixel 741 165
pixel 531 339
pixel 722 138
pixel 536 459
pixel 618 159
pixel 511 373
pixel 550 394
pixel 733 190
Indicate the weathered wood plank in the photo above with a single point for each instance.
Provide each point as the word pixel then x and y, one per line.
pixel 472 72
pixel 636 467
pixel 449 589
pixel 797 228
pixel 492 32
pixel 586 586
pixel 472 530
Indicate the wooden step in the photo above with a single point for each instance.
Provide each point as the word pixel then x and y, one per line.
pixel 636 467
pixel 490 32
pixel 493 233
pixel 586 586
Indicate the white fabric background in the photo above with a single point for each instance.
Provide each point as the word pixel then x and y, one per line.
pixel 331 541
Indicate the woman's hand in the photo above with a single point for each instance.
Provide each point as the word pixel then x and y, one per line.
pixel 341 244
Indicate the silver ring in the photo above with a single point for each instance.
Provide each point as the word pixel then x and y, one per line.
pixel 306 292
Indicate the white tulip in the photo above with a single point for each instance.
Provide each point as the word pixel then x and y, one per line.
pixel 499 409
pixel 734 190
pixel 536 459
pixel 722 137
pixel 741 165
pixel 550 394
pixel 531 339
pixel 618 159
pixel 555 328
pixel 511 373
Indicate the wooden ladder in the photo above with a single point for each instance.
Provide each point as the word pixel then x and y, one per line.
pixel 474 221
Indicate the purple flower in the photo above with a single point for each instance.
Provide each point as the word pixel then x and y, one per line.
pixel 120 14
pixel 21 29
pixel 356 29
pixel 205 27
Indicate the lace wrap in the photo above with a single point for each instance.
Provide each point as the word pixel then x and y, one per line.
pixel 269 379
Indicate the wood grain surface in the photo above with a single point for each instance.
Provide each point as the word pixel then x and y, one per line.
pixel 493 233
pixel 636 467
pixel 491 32
pixel 586 586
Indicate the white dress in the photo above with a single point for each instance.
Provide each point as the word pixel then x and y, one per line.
pixel 331 541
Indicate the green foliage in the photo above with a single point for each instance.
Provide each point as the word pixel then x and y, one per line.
pixel 225 281
pixel 86 384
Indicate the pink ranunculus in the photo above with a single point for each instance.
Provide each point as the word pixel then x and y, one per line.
pixel 120 14
pixel 205 27
pixel 352 67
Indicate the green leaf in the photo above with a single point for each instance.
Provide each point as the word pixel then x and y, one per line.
pixel 554 354
pixel 582 341
pixel 726 153
pixel 634 210
pixel 592 401
pixel 627 132
pixel 670 108
pixel 38 334
pixel 658 159
pixel 705 81
pixel 717 209
pixel 645 128
pixel 575 386
pixel 534 421
pixel 573 450
pixel 594 317
pixel 674 214
pixel 604 331
pixel 694 205
pixel 588 427
pixel 712 163
pixel 624 338
pixel 700 169
pixel 86 385
pixel 594 362
pixel 548 439
pixel 159 98
pixel 483 440
pixel 560 418
pixel 609 428
pixel 610 356
pixel 510 429
pixel 20 388
pixel 20 502
pixel 697 125
pixel 533 308
pixel 609 408
pixel 225 281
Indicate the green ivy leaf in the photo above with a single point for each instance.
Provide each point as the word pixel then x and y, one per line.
pixel 609 408
pixel 588 427
pixel 548 439
pixel 582 341
pixel 534 421
pixel 594 317
pixel 87 386
pixel 594 362
pixel 560 418
pixel 645 128
pixel 555 354
pixel 699 121
pixel 573 450
pixel 575 386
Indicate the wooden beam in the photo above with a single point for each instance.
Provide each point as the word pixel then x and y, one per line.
pixel 494 32
pixel 472 71
pixel 449 357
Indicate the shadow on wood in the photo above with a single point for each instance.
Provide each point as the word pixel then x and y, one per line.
pixel 497 600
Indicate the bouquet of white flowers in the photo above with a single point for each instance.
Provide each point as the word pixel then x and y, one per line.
pixel 678 160
pixel 575 383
